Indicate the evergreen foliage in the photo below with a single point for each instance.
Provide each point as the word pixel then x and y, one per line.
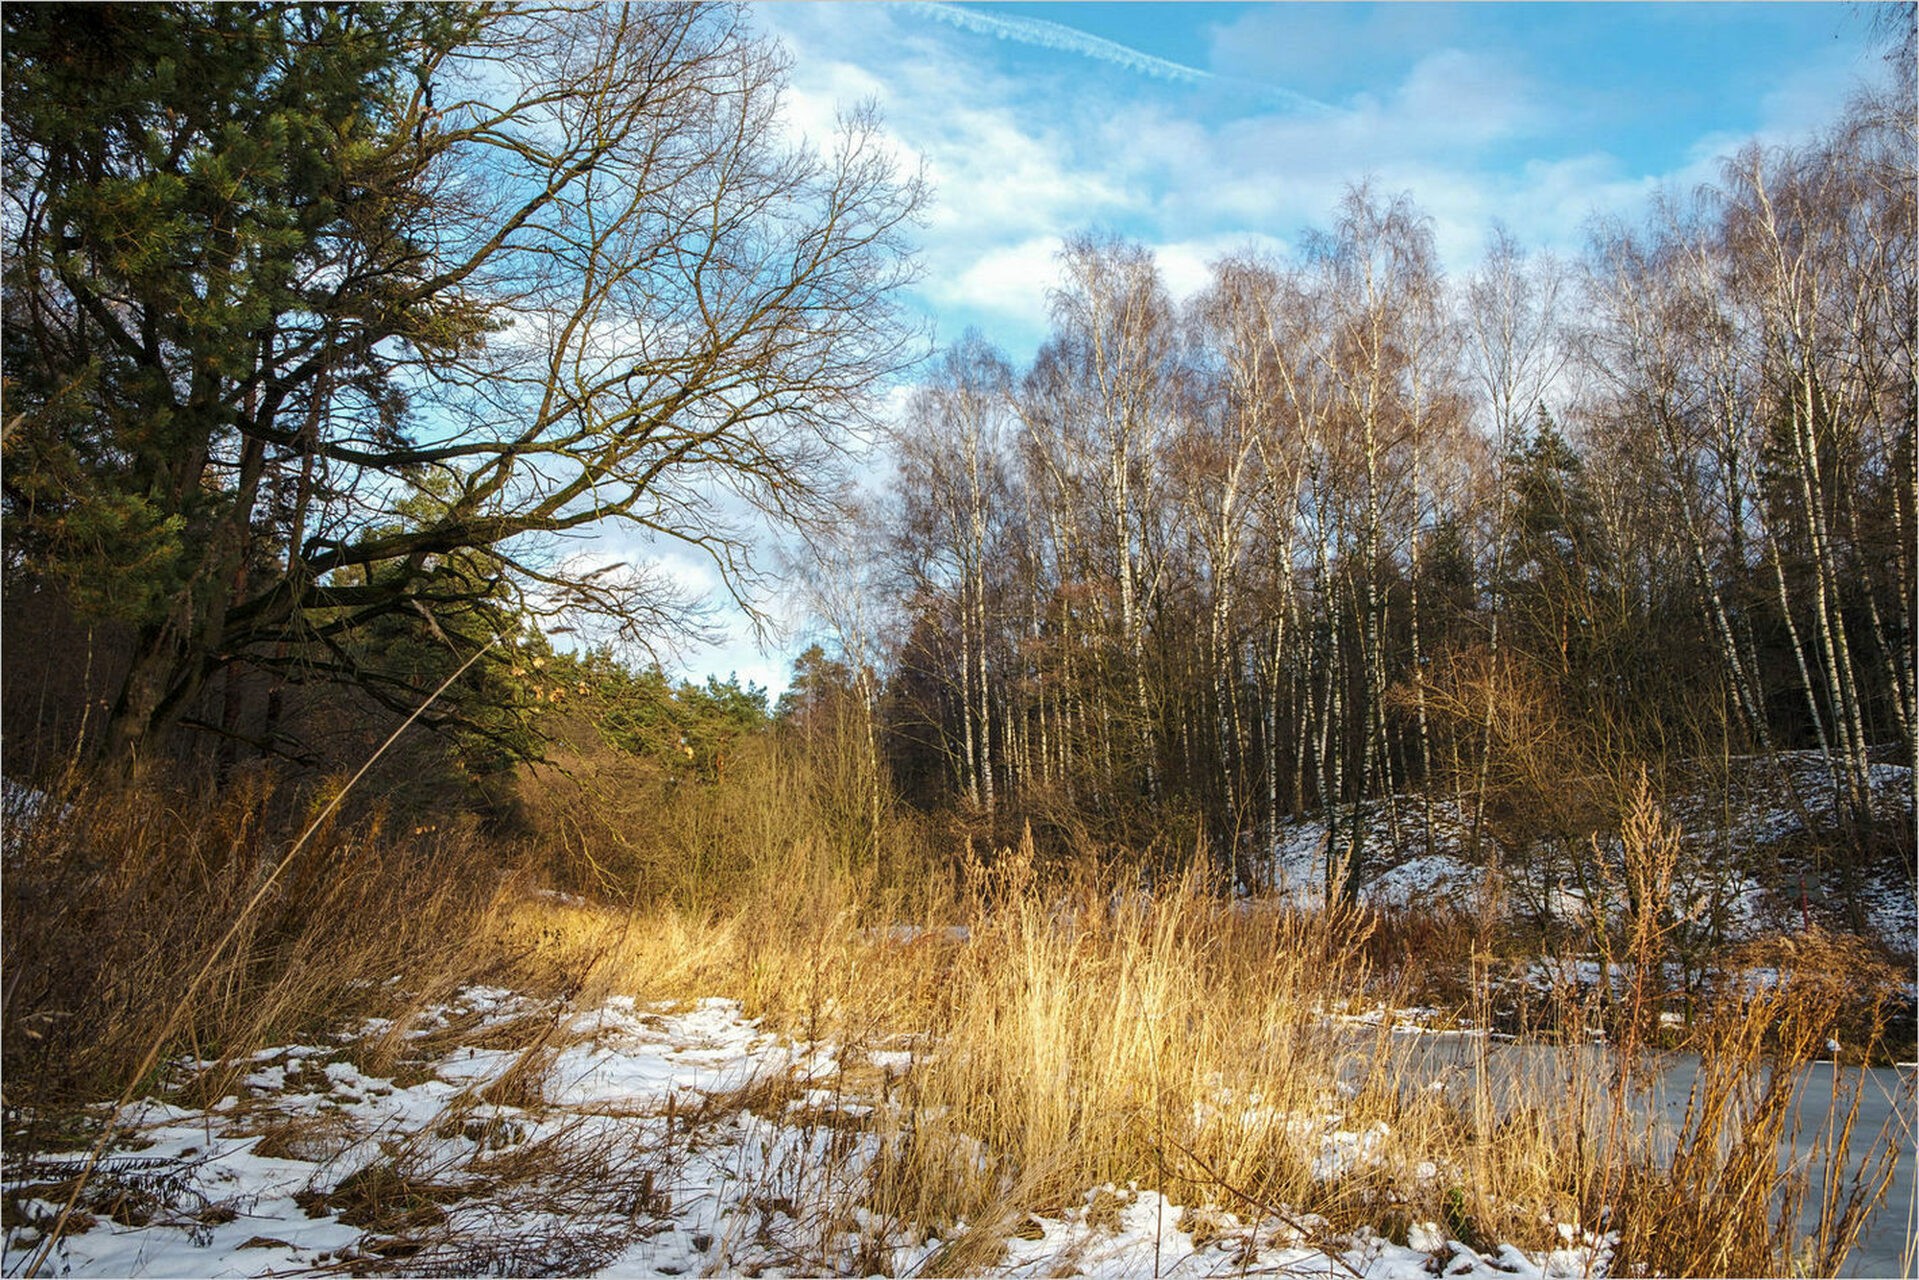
pixel 324 320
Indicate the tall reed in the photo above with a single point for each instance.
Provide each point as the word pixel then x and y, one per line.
pixel 1067 1026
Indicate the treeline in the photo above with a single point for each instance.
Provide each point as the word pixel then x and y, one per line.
pixel 1339 527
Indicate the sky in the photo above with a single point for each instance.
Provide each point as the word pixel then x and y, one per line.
pixel 1199 129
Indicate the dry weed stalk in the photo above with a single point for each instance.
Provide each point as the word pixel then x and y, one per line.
pixel 243 921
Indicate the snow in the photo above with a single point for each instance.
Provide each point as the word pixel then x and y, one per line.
pixel 1126 1233
pixel 1767 803
pixel 1422 878
pixel 1397 869
pixel 20 807
pixel 671 1173
pixel 905 935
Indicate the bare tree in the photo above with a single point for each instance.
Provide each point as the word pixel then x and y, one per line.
pixel 574 274
pixel 1221 480
pixel 1385 287
pixel 956 503
pixel 1114 351
pixel 1516 352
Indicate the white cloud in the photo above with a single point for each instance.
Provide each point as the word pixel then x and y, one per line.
pixel 1459 99
pixel 1186 266
pixel 1015 170
pixel 997 178
pixel 1319 47
pixel 1010 280
pixel 1059 38
pixel 812 109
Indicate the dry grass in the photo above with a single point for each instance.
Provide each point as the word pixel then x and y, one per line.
pixel 1072 1027
pixel 1088 1032
pixel 112 897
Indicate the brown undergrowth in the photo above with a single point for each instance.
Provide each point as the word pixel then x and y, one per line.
pixel 1066 1026
pixel 113 896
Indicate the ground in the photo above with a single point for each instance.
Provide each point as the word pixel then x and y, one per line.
pixel 1740 866
pixel 670 1140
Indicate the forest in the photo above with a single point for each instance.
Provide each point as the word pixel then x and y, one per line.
pixel 1344 529
pixel 1522 654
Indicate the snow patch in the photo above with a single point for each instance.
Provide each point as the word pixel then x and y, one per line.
pixel 326 1167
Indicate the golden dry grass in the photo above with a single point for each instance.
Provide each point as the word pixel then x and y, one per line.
pixel 1070 1027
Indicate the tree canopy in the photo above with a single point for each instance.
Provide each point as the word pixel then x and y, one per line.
pixel 324 319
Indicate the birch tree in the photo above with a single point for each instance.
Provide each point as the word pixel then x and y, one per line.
pixel 956 502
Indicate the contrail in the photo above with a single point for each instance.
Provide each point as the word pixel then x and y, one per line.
pixel 1043 34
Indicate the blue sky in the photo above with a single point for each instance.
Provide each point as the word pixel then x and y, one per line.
pixel 1201 128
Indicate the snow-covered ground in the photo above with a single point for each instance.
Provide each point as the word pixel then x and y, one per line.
pixel 20 808
pixel 666 1141
pixel 1765 808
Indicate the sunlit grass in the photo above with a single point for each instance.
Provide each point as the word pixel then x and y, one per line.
pixel 1020 1034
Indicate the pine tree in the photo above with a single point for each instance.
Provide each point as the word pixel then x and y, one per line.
pixel 306 302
